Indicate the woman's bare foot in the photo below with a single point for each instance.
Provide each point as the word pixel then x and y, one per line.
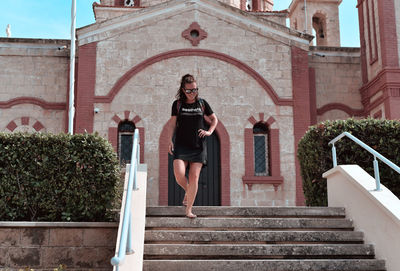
pixel 189 214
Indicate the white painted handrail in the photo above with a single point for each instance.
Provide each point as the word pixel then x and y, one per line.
pixel 370 150
pixel 125 242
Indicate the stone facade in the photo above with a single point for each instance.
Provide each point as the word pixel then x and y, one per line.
pixel 337 82
pixel 249 66
pixel 34 84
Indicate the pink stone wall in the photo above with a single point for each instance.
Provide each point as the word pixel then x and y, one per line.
pixel 337 81
pixel 34 83
pixel 233 93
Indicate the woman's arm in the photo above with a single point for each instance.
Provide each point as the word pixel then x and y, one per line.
pixel 213 125
pixel 171 129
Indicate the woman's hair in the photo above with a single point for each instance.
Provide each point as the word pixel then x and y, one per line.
pixel 186 79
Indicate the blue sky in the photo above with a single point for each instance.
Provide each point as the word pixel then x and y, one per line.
pixel 51 19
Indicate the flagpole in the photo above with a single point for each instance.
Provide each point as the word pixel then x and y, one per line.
pixel 71 111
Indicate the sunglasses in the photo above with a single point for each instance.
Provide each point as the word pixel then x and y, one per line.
pixel 193 90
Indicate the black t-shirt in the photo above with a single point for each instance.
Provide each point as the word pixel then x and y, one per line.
pixel 189 120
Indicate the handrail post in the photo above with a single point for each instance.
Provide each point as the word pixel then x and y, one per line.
pixel 334 155
pixel 376 173
pixel 129 249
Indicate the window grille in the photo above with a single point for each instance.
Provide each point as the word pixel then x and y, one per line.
pixel 126 130
pixel 261 159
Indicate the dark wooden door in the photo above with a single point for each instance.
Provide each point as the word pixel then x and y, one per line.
pixel 209 193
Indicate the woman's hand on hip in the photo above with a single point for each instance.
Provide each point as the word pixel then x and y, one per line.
pixel 170 148
pixel 204 133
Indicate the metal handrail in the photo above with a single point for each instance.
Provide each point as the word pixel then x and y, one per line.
pixel 370 150
pixel 125 242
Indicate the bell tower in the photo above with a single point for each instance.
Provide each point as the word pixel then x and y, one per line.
pixel 319 18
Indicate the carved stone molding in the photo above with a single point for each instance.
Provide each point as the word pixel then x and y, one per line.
pixel 194 34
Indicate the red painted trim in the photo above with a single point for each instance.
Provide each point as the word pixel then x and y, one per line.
pixel 192 52
pixel 113 137
pixel 274 157
pixel 252 120
pixel 373 57
pixel 385 81
pixel 194 40
pixel 250 180
pixel 261 115
pixel 141 143
pixel 339 106
pixel 32 100
pixel 364 70
pixel 248 152
pixel 38 126
pixel 136 119
pixel 378 115
pixel 225 164
pixel 116 119
pixel 313 96
pixel 126 114
pixel 243 5
pixel 84 116
pixel 388 33
pixel 256 5
pixel 270 121
pixel 11 126
pixel 25 120
pixel 301 108
pixel 375 39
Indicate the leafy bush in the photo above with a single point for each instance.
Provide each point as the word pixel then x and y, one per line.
pixel 315 155
pixel 63 177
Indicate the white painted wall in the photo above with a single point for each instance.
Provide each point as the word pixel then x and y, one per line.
pixel 376 213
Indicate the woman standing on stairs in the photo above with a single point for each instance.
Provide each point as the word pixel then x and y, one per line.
pixel 189 148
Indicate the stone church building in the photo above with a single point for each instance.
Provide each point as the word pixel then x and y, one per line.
pixel 267 84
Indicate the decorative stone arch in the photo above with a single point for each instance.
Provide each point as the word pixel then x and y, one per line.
pixel 223 136
pixel 342 107
pixel 113 130
pixel 319 24
pixel 25 124
pixel 275 177
pixel 193 52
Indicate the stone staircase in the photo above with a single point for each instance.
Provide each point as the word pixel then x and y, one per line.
pixel 255 238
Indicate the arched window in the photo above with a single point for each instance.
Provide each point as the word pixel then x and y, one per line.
pixel 261 149
pixel 319 25
pixel 126 130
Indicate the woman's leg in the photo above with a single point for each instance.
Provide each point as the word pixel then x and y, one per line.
pixel 179 172
pixel 194 174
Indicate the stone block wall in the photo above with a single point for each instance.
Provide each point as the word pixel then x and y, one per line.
pixel 47 246
pixel 34 83
pixel 233 94
pixel 337 82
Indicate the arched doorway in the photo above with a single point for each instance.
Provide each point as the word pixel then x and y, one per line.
pixel 209 191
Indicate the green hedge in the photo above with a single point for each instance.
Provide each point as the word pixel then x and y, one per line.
pixel 315 155
pixel 46 177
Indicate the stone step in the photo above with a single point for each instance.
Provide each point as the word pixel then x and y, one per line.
pixel 281 237
pixel 224 211
pixel 234 251
pixel 265 265
pixel 248 223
